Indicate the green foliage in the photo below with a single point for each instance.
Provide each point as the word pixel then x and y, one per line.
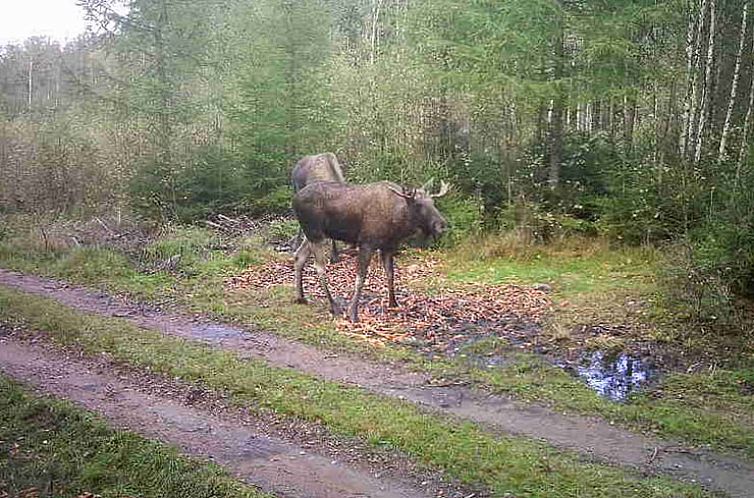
pixel 464 217
pixel 282 230
pixel 275 201
pixel 213 183
pixel 535 224
pixel 186 243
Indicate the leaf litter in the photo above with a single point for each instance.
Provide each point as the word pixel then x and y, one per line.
pixel 433 314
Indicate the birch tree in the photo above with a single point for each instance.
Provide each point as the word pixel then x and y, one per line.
pixel 744 148
pixel 734 84
pixel 706 97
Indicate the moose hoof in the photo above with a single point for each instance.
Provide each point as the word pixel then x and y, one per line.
pixel 300 300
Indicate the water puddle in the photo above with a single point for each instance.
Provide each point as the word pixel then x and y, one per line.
pixel 614 376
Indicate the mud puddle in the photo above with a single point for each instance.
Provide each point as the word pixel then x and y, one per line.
pixel 615 376
pixel 612 375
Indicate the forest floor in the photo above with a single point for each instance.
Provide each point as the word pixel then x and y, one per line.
pixel 534 350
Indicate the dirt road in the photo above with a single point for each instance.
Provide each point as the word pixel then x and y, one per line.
pixel 591 437
pixel 270 459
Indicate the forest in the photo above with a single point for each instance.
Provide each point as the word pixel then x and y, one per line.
pixel 620 118
pixel 583 328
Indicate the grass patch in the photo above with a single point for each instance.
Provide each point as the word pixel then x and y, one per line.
pixel 59 450
pixel 718 415
pixel 507 465
pixel 572 267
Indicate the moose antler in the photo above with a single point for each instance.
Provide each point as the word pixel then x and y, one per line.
pixel 408 194
pixel 444 189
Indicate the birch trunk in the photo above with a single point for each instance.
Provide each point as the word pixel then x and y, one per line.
pixel 747 123
pixel 734 85
pixel 31 88
pixel 555 137
pixel 697 69
pixel 706 98
pixel 629 121
pixel 685 119
pixel 375 22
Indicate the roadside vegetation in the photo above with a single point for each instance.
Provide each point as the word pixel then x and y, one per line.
pixel 598 151
pixel 505 464
pixel 583 274
pixel 51 448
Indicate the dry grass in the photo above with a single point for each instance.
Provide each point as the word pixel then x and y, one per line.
pixel 512 244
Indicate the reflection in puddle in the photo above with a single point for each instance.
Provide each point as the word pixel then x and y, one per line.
pixel 614 376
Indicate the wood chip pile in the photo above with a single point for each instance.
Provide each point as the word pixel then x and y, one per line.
pixel 434 322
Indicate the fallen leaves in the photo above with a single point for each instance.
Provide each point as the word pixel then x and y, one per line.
pixel 437 322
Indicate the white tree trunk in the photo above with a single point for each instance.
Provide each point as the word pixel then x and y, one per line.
pixel 31 88
pixel 686 118
pixel 706 97
pixel 696 73
pixel 747 123
pixel 734 85
pixel 375 23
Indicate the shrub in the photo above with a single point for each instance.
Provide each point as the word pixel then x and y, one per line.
pixel 276 201
pixel 533 224
pixel 179 248
pixel 464 216
pixel 697 291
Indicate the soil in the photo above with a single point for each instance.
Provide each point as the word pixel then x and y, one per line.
pixel 591 437
pixel 289 459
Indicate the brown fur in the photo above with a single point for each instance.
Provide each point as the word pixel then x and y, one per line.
pixel 376 216
pixel 316 168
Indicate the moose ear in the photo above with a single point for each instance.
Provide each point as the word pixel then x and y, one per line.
pixel 409 193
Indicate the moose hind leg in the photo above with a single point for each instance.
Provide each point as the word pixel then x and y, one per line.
pixel 297 240
pixel 302 255
pixel 389 266
pixel 320 250
pixel 334 258
pixel 365 257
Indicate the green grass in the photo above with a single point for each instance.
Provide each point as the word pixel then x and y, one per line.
pixel 573 267
pixel 593 278
pixel 462 450
pixel 63 451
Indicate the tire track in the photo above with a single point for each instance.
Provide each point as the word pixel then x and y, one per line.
pixel 274 465
pixel 592 437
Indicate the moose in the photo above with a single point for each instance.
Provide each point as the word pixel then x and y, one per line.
pixel 316 168
pixel 374 216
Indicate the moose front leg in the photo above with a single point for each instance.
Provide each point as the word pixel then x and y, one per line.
pixel 389 266
pixel 365 257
